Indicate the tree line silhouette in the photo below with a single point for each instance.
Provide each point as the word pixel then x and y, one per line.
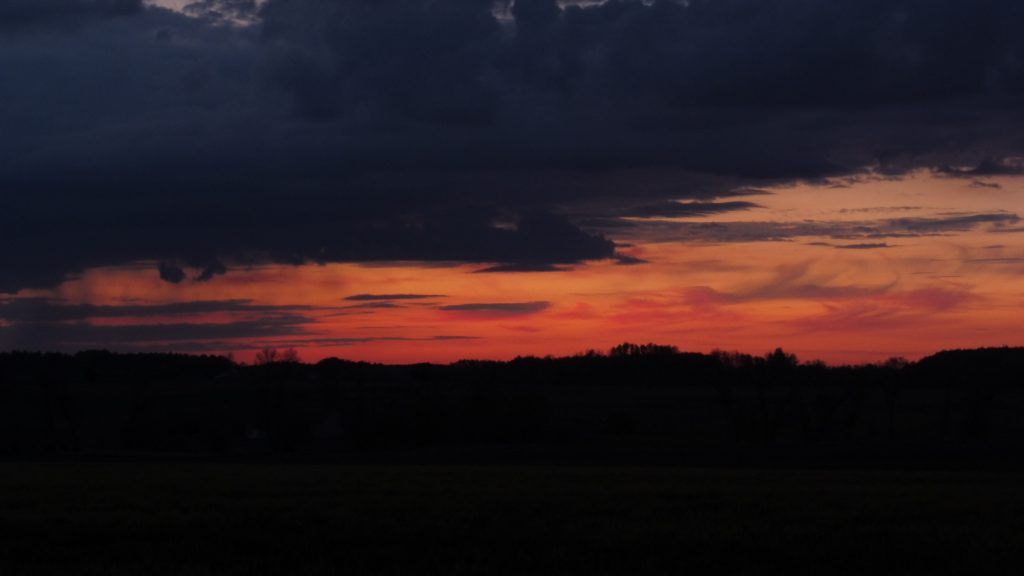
pixel 634 403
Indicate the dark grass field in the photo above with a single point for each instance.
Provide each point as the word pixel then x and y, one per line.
pixel 199 518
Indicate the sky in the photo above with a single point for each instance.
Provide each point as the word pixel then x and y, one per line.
pixel 415 180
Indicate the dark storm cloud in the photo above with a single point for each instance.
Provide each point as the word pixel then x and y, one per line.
pixel 400 59
pixel 207 270
pixel 211 270
pixel 223 11
pixel 688 209
pixel 27 15
pixel 170 273
pixel 399 130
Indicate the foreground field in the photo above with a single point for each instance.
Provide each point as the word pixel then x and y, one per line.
pixel 199 518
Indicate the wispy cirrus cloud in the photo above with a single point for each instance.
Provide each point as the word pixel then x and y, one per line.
pixel 900 310
pixel 794 281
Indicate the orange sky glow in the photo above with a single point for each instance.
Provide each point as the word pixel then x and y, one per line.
pixel 838 300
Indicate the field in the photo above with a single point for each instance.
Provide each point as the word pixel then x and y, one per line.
pixel 249 519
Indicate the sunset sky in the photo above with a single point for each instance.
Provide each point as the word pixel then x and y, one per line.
pixel 417 180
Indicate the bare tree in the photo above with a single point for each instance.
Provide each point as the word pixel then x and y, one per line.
pixel 266 356
pixel 275 356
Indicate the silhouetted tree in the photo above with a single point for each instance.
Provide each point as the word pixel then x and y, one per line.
pixel 628 349
pixel 268 356
pixel 639 396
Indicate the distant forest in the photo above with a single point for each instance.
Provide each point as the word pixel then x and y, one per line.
pixel 636 403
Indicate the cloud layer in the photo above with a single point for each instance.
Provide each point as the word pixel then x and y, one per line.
pixel 351 131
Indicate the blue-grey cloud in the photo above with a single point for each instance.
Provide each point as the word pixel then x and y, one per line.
pixel 525 267
pixel 987 167
pixel 170 273
pixel 43 324
pixel 368 306
pixel 386 297
pixel 500 308
pixel 62 336
pixel 32 15
pixel 865 231
pixel 343 341
pixel 39 310
pixel 863 246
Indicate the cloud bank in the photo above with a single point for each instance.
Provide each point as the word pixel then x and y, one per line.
pixel 458 131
